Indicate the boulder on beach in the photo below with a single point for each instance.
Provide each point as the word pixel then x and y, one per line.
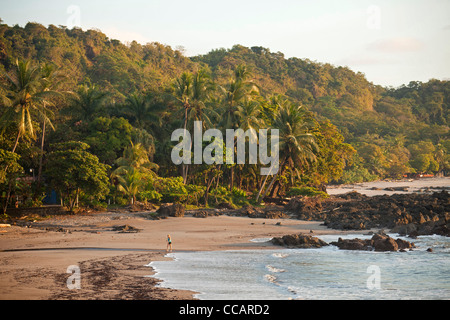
pixel 299 241
pixel 171 210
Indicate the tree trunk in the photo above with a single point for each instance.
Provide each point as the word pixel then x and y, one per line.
pixel 207 190
pixel 262 187
pixel 16 143
pixel 184 166
pixel 231 177
pixel 41 156
pixel 8 196
pixel 277 183
pixel 271 183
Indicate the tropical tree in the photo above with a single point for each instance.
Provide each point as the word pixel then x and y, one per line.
pixel 248 116
pixel 10 170
pixel 237 98
pixel 134 171
pixel 71 169
pixel 297 146
pixel 25 97
pixel 86 103
pixel 53 78
pixel 239 90
pixel 143 111
pixel 193 92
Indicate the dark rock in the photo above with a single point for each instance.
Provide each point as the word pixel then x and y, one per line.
pixel 200 214
pixel 299 241
pixel 404 229
pixel 387 244
pixel 267 213
pixel 305 205
pixel 403 213
pixel 378 242
pixel 403 244
pixel 352 244
pixel 171 210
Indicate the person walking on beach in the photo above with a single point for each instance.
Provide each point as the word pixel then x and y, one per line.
pixel 169 243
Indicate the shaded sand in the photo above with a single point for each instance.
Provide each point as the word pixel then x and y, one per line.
pixel 34 261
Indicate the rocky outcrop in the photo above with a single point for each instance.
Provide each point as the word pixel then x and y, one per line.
pixel 270 212
pixel 299 241
pixel 171 210
pixel 379 242
pixel 403 213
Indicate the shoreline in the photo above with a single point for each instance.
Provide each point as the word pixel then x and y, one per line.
pixel 113 249
pixel 114 265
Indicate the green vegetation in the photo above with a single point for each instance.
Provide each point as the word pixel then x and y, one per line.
pixel 93 117
pixel 73 172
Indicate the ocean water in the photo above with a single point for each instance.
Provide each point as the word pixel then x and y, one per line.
pixel 324 273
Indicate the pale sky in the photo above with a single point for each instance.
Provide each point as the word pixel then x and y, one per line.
pixel 391 41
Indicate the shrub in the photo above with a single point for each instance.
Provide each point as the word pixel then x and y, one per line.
pixel 306 191
pixel 150 195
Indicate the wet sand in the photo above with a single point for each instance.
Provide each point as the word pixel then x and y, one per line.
pixel 34 261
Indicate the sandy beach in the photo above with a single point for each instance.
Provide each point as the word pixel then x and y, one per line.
pixel 34 260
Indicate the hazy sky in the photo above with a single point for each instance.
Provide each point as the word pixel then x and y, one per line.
pixel 391 41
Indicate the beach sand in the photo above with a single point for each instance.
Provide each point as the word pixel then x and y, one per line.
pixel 34 261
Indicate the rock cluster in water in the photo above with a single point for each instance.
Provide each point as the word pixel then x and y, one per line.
pixel 378 242
pixel 299 241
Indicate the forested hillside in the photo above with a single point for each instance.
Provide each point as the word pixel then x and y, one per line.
pixel 122 102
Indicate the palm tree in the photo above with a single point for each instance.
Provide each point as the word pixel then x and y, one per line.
pixel 134 169
pixel 25 94
pixel 130 181
pixel 87 102
pixel 239 93
pixel 137 156
pixel 200 110
pixel 193 91
pixel 239 90
pixel 248 116
pixel 182 90
pixel 144 112
pixel 53 78
pixel 297 147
